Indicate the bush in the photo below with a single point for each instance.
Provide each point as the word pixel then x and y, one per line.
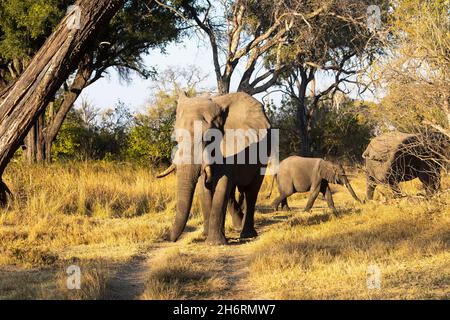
pixel 150 138
pixel 342 132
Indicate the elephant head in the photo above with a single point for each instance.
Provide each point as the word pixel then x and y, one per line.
pixel 336 174
pixel 195 118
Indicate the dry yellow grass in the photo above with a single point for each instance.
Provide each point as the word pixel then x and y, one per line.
pixel 92 213
pixel 101 215
pixel 317 256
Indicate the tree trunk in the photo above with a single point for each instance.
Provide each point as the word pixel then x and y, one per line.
pixel 34 142
pixel 223 85
pixel 22 104
pixel 302 121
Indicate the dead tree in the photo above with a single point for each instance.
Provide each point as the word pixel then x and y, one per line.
pixel 22 103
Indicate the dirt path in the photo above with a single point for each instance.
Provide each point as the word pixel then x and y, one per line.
pixel 234 270
pixel 129 281
pixel 229 264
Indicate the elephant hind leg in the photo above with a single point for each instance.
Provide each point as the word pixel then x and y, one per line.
pixel 279 200
pixel 371 185
pixel 284 205
pixel 235 210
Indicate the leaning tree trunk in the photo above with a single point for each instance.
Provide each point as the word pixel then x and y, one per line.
pixel 22 103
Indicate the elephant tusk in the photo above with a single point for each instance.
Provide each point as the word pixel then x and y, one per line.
pixel 166 172
pixel 208 173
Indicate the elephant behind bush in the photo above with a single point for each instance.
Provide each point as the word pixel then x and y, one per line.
pixel 395 157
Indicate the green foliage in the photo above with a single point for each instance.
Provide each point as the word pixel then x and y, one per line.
pixel 70 136
pixel 341 133
pixel 335 133
pixel 25 24
pixel 150 139
pixel 101 136
pixel 284 119
pixel 115 134
pixel 136 29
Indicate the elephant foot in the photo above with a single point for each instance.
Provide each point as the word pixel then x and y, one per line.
pixel 173 237
pixel 237 224
pixel 237 228
pixel 217 240
pixel 248 234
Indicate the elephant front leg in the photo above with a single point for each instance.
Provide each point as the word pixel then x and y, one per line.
pixel 205 200
pixel 330 201
pixel 216 231
pixel 430 181
pixel 315 192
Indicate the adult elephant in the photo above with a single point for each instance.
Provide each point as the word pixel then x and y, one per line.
pixel 396 157
pixel 300 174
pixel 243 130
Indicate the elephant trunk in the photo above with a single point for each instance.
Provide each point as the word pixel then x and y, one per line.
pixel 350 189
pixel 187 176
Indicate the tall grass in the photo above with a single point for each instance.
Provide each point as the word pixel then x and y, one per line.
pixel 318 256
pixel 91 212
pixel 62 206
pixel 99 215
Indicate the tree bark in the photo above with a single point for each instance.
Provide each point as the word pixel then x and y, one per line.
pixel 302 121
pixel 23 103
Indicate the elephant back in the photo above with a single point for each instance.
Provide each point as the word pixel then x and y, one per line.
pixel 384 147
pixel 384 150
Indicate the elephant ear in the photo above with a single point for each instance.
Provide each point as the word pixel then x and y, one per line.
pixel 328 171
pixel 245 122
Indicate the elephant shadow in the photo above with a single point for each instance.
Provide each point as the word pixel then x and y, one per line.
pixel 265 209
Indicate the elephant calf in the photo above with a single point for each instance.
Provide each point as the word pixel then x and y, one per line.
pixel 298 174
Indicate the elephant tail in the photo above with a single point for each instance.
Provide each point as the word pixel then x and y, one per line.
pixel 271 186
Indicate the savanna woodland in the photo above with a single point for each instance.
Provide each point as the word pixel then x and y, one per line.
pixel 357 92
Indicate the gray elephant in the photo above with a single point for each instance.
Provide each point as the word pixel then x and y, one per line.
pixel 231 168
pixel 299 174
pixel 395 157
